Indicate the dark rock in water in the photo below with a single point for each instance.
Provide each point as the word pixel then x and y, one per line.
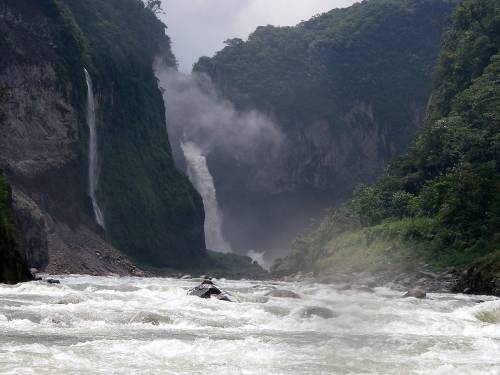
pixel 344 286
pixel 207 289
pixel 149 318
pixel 53 281
pixel 363 288
pixel 322 312
pixel 416 293
pixel 281 293
pixel 223 297
pixel 327 280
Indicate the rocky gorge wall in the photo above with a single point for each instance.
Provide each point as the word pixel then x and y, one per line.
pixel 153 214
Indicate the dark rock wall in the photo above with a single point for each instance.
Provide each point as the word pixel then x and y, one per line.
pixel 153 212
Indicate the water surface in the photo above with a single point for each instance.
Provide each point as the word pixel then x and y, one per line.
pixel 104 325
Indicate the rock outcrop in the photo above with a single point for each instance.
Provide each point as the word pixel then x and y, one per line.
pixel 321 312
pixel 44 48
pixel 282 293
pixel 416 293
pixel 207 289
pixel 13 268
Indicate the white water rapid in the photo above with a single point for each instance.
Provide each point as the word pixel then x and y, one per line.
pixel 203 181
pixel 106 325
pixel 92 158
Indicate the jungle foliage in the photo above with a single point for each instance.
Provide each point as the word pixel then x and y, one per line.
pixel 440 202
pixel 377 52
pixel 152 212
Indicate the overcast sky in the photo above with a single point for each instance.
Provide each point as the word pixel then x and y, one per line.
pixel 199 27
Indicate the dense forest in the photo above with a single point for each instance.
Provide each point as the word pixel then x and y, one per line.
pixel 151 210
pixel 439 203
pixel 347 88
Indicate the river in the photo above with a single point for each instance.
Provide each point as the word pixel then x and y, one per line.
pixel 105 325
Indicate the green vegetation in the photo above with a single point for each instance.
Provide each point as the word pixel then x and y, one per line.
pixel 152 212
pixel 440 202
pixel 377 52
pixel 12 268
pixel 71 50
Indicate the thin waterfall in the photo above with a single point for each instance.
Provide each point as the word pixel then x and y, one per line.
pixel 93 157
pixel 203 181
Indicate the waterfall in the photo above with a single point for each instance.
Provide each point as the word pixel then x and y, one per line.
pixel 203 181
pixel 92 158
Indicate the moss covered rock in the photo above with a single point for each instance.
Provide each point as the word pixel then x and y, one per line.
pixel 12 266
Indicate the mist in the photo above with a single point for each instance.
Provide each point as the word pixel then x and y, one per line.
pixel 196 113
pixel 220 148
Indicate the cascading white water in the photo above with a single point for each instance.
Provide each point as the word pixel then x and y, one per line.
pixel 110 325
pixel 203 181
pixel 93 160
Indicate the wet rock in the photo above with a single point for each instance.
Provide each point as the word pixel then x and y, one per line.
pixel 149 318
pixel 327 280
pixel 70 299
pixel 416 293
pixel 32 225
pixel 282 293
pixel 344 287
pixel 363 288
pixel 321 312
pixel 429 274
pixel 52 281
pixel 138 273
pixel 207 289
pixel 448 276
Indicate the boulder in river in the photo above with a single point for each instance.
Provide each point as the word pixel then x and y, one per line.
pixel 207 289
pixel 282 293
pixel 53 281
pixel 416 293
pixel 321 312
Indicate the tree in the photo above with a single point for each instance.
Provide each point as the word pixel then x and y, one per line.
pixel 154 6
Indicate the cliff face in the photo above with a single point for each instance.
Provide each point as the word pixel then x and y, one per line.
pixel 439 203
pixel 13 268
pixel 152 213
pixel 348 90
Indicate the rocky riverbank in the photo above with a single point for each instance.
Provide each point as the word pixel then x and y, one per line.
pixel 443 282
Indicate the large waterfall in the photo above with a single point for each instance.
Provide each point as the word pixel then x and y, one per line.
pixel 201 178
pixel 92 159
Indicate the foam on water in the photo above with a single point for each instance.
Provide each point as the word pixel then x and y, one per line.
pixel 104 325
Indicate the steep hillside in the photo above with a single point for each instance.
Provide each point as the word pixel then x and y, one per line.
pixel 151 211
pixel 347 88
pixel 440 202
